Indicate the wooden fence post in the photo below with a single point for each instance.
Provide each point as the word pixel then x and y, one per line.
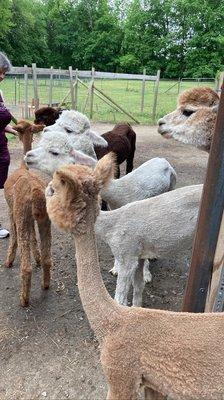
pixel 92 93
pixel 76 88
pixel 208 232
pixel 71 88
pixel 155 96
pixel 26 93
pixel 51 87
pixel 143 90
pixel 15 91
pixel 35 86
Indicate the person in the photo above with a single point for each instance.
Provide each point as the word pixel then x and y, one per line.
pixel 5 118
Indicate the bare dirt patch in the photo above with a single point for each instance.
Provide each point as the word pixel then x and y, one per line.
pixel 48 350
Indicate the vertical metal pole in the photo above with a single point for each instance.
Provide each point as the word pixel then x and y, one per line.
pixel 155 96
pixel 143 90
pixel 26 91
pixel 209 221
pixel 72 88
pixel 51 87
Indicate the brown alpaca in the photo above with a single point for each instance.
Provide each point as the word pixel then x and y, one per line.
pixel 24 193
pixel 194 119
pixel 169 353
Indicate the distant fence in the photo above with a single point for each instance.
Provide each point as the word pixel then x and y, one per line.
pixel 103 96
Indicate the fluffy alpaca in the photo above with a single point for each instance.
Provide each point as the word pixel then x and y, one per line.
pixel 121 139
pixel 194 119
pixel 144 229
pixel 24 193
pixel 154 177
pixel 53 151
pixel 169 353
pixel 47 115
pixel 77 126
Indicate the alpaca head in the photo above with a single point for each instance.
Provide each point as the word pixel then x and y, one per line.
pixel 76 124
pixel 26 131
pixel 73 190
pixel 47 115
pixel 52 152
pixel 194 119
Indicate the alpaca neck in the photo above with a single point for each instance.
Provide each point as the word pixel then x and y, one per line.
pixel 103 313
pixel 27 146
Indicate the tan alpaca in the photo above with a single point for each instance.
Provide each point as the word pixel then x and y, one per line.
pixel 24 193
pixel 194 119
pixel 169 353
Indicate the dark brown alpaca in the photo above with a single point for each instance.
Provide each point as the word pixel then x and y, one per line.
pixel 121 139
pixel 24 193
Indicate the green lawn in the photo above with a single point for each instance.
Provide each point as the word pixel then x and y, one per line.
pixel 127 94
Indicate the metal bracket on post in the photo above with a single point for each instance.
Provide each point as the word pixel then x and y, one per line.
pixel 219 301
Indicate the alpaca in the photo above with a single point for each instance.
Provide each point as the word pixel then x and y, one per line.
pixel 154 177
pixel 194 119
pixel 77 126
pixel 24 193
pixel 143 230
pixel 168 353
pixel 47 115
pixel 121 139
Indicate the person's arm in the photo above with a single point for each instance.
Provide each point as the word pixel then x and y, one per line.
pixel 10 129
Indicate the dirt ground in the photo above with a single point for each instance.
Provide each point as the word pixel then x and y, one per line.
pixel 48 351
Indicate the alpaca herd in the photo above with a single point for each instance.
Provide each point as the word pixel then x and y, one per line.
pixel 168 353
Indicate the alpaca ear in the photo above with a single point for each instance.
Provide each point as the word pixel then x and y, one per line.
pixel 97 139
pixel 67 181
pixel 105 168
pixel 81 158
pixel 37 128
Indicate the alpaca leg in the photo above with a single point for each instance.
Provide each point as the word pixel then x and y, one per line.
pixel 147 276
pixel 125 274
pixel 23 234
pixel 129 164
pixel 118 172
pixel 121 392
pixel 34 247
pixel 12 243
pixel 114 270
pixel 150 394
pixel 45 247
pixel 138 285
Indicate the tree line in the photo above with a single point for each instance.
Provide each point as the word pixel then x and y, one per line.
pixel 183 38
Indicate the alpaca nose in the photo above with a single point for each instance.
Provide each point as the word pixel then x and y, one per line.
pixel 161 122
pixel 49 190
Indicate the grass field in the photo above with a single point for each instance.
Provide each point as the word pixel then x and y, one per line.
pixel 127 94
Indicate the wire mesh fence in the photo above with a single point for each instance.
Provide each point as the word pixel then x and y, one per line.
pixel 127 93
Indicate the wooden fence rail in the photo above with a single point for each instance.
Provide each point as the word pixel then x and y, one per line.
pixel 74 77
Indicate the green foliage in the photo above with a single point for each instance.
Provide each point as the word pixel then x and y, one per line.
pixel 180 37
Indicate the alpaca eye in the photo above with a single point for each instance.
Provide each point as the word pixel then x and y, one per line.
pixel 54 153
pixel 187 113
pixel 68 130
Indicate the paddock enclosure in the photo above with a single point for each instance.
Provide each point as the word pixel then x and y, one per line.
pixel 103 96
pixel 48 350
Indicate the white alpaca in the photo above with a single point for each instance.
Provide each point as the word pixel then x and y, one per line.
pixel 154 177
pixel 139 230
pixel 77 126
pixel 157 226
